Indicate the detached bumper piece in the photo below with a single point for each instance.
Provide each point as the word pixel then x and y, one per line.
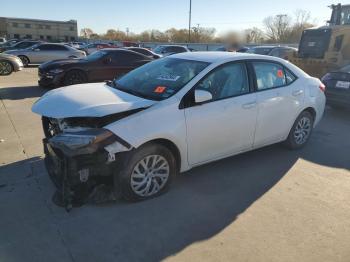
pixel 77 178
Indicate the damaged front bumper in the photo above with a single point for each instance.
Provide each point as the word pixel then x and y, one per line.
pixel 77 173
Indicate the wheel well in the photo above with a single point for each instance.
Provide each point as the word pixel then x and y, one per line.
pixel 76 70
pixel 312 111
pixel 25 57
pixel 172 147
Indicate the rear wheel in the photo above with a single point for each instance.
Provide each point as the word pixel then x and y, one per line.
pixel 24 59
pixel 148 173
pixel 6 68
pixel 301 131
pixel 74 77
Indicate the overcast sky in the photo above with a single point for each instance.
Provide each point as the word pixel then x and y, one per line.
pixel 139 15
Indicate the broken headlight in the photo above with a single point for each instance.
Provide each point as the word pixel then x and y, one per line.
pixel 82 142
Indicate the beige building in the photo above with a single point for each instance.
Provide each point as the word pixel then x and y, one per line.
pixel 38 29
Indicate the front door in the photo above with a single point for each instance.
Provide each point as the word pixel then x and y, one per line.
pixel 226 124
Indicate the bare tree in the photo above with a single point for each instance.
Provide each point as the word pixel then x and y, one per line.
pixel 254 35
pixel 86 32
pixel 302 21
pixel 302 17
pixel 277 27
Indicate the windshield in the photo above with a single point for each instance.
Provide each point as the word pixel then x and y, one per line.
pixel 160 79
pixel 33 46
pixel 95 55
pixel 158 49
pixel 260 50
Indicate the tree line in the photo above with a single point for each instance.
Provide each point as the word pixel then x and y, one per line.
pixel 281 28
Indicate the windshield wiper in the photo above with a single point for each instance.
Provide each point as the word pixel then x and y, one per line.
pixel 129 91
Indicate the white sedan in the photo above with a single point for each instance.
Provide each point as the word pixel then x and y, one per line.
pixel 173 114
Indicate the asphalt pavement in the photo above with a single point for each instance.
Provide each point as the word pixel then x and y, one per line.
pixel 271 204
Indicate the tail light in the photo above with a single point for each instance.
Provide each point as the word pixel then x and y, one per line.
pixel 322 87
pixel 326 77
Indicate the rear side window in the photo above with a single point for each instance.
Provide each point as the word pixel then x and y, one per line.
pixel 52 48
pixel 269 75
pixel 141 51
pixel 290 78
pixel 127 58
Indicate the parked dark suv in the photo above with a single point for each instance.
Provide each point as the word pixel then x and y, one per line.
pixel 105 64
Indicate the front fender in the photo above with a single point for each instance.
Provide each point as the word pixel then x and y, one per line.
pixel 161 121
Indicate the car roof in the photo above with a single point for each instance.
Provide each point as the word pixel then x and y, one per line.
pixel 43 43
pixel 217 56
pixel 173 45
pixel 265 46
pixel 117 49
pixel 272 47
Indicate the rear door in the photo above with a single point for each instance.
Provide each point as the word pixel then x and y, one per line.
pixel 115 64
pixel 279 97
pixel 48 52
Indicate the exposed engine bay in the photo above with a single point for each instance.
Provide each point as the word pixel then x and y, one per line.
pixel 83 158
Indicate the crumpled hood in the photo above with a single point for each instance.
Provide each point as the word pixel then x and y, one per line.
pixel 87 100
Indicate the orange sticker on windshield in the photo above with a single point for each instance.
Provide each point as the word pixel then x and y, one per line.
pixel 159 89
pixel 280 73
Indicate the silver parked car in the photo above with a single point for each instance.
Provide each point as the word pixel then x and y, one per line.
pixel 45 52
pixel 9 64
pixel 277 51
pixel 165 50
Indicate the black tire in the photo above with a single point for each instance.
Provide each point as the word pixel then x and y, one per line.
pixel 6 68
pixel 74 77
pixel 294 141
pixel 24 59
pixel 123 180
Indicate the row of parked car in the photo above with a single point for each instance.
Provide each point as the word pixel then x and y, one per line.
pixel 74 63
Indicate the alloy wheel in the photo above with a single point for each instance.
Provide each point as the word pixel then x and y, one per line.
pixel 5 68
pixel 74 78
pixel 150 175
pixel 302 130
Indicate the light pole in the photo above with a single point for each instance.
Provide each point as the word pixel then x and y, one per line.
pixel 189 22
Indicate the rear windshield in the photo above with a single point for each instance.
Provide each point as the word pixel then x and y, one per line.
pixel 260 50
pixel 314 43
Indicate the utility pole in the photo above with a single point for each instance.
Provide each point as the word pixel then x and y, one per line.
pixel 189 22
pixel 127 32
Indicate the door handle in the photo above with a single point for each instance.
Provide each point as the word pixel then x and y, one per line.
pixel 249 105
pixel 297 92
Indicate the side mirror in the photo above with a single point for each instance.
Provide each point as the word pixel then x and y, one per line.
pixel 201 96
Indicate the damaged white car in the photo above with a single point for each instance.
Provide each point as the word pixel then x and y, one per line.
pixel 137 132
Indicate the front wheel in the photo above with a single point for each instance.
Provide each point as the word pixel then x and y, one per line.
pixel 147 173
pixel 74 77
pixel 6 68
pixel 301 131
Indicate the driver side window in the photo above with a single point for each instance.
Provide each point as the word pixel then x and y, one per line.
pixel 226 81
